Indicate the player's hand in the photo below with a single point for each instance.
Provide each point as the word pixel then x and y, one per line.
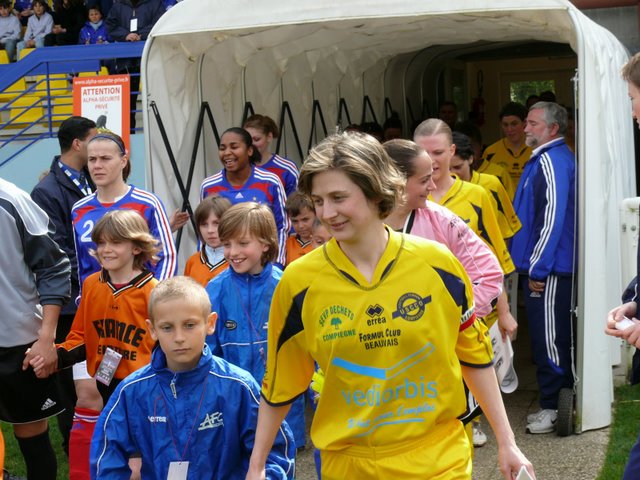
pixel 178 219
pixel 507 326
pixel 45 349
pixel 615 315
pixel 511 460
pixel 536 286
pixel 38 365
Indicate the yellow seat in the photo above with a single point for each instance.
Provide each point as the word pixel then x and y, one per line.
pixel 26 109
pixel 58 85
pixel 24 52
pixel 13 91
pixel 103 71
pixel 62 109
pixel 4 58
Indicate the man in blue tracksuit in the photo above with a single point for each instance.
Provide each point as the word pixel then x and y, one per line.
pixel 543 252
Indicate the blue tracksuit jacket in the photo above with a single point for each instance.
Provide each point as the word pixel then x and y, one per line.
pixel 242 302
pixel 206 416
pixel 545 204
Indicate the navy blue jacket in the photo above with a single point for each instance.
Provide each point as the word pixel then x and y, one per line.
pixel 56 194
pixel 545 204
pixel 206 416
pixel 148 12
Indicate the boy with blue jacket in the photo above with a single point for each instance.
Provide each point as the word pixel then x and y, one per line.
pixel 189 414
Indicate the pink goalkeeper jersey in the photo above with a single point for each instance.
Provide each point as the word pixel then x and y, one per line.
pixel 440 224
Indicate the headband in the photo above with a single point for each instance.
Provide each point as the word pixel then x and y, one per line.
pixel 113 139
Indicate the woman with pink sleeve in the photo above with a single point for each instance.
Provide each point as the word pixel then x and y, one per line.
pixel 426 219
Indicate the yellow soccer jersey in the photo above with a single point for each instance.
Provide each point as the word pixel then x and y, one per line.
pixel 473 204
pixel 498 171
pixel 501 154
pixel 505 214
pixel 391 348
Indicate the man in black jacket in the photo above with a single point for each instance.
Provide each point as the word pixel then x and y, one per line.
pixel 67 182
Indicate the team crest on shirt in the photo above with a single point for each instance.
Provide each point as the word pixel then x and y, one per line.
pixel 411 306
pixel 230 325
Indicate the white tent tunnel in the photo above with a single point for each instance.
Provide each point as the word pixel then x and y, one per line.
pixel 301 51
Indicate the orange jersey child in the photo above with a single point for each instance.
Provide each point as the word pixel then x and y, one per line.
pixel 113 307
pixel 301 213
pixel 202 266
pixel 111 316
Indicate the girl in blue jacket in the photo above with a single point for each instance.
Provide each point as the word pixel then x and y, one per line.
pixel 242 294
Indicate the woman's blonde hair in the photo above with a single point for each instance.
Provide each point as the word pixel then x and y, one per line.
pixel 363 160
pixel 433 126
pixel 254 219
pixel 128 226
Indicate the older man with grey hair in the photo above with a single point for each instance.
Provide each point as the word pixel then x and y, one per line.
pixel 543 252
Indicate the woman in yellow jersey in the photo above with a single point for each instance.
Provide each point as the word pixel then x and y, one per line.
pixel 389 318
pixel 470 202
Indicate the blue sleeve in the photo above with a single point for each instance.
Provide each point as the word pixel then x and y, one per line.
pixel 282 222
pixel 214 291
pixel 280 462
pixel 84 38
pixel 159 227
pixel 552 188
pixel 154 11
pixel 291 184
pixel 112 445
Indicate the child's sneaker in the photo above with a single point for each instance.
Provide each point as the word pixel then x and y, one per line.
pixel 479 437
pixel 545 422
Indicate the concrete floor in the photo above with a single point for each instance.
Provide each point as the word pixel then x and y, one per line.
pixel 577 457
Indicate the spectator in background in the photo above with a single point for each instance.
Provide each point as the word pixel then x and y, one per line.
pixel 547 96
pixel 374 129
pixel 10 29
pixel 448 113
pixel 23 10
pixel 38 26
pixel 392 127
pixel 94 30
pixel 103 5
pixel 472 131
pixel 510 152
pixel 531 100
pixel 131 21
pixel 68 19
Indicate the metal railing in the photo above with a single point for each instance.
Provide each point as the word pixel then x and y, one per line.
pixel 35 92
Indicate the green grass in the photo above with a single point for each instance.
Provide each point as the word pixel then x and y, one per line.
pixel 13 458
pixel 624 431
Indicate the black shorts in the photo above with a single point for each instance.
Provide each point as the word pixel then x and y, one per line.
pixel 23 397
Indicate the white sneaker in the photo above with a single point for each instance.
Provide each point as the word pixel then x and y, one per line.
pixel 544 423
pixel 532 417
pixel 479 437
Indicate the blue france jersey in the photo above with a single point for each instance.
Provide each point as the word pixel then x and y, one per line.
pixel 88 211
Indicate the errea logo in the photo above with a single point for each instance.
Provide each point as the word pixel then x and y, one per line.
pixel 156 419
pixel 212 420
